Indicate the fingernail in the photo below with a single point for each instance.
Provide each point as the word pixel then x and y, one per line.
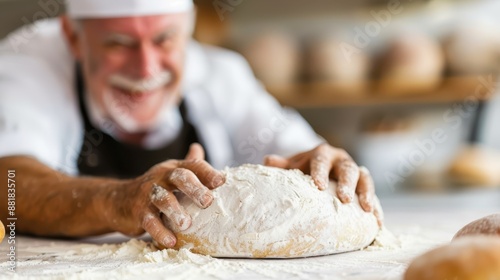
pixel 266 160
pixel 184 222
pixel 270 157
pixel 326 183
pixel 319 184
pixel 169 242
pixel 365 170
pixel 206 200
pixel 365 203
pixel 219 180
pixel 345 194
pixel 369 207
pixel 350 197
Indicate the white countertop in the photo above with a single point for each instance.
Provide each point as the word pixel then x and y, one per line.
pixel 420 222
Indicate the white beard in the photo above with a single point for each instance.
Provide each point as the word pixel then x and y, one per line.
pixel 112 120
pixel 119 113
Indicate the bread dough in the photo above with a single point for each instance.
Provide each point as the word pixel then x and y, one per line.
pixel 489 225
pixel 466 258
pixel 266 212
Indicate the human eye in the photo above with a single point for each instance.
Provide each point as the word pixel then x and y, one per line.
pixel 119 42
pixel 165 39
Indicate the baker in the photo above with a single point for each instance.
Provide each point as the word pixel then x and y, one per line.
pixel 113 102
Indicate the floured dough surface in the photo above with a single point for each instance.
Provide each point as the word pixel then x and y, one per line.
pixel 265 212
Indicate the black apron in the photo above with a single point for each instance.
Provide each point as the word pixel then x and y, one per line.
pixel 102 155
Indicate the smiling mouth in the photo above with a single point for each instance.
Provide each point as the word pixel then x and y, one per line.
pixel 145 85
pixel 134 96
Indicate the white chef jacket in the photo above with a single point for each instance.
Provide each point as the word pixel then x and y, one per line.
pixel 236 119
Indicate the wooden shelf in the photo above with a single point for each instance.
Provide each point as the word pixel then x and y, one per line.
pixel 315 95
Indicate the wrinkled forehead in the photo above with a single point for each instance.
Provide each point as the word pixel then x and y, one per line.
pixel 137 26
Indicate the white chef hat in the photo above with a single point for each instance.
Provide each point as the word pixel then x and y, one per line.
pixel 79 9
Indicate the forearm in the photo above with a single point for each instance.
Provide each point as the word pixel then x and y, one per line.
pixel 49 203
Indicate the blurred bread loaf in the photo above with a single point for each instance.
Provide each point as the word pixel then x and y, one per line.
pixel 489 225
pixel 467 258
pixel 476 166
pixel 274 58
pixel 327 61
pixel 473 48
pixel 413 63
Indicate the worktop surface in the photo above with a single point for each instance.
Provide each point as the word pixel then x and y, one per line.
pixel 417 222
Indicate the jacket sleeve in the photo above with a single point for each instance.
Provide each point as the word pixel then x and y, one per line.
pixel 37 110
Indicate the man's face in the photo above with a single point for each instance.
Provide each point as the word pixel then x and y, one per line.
pixel 133 66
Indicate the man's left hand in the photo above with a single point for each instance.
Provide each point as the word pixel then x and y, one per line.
pixel 326 162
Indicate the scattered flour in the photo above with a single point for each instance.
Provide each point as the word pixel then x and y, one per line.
pixel 387 258
pixel 414 233
pixel 384 240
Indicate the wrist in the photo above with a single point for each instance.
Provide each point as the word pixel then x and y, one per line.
pixel 111 204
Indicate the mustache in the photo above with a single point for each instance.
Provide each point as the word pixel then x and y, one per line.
pixel 157 81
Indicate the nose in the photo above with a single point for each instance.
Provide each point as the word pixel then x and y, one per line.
pixel 148 61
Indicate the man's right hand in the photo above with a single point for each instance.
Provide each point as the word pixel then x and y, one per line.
pixel 138 204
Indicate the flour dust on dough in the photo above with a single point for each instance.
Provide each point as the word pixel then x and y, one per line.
pixel 266 212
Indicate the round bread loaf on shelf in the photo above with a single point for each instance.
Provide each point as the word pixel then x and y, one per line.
pixel 274 57
pixel 412 64
pixel 473 48
pixel 328 60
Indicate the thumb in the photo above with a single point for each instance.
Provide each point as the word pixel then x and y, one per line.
pixel 276 161
pixel 195 152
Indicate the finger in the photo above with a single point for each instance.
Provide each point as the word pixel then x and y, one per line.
pixel 195 152
pixel 167 203
pixel 365 189
pixel 300 161
pixel 321 165
pixel 190 185
pixel 378 212
pixel 152 223
pixel 209 176
pixel 276 161
pixel 347 175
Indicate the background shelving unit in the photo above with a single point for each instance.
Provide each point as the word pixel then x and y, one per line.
pixel 324 95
